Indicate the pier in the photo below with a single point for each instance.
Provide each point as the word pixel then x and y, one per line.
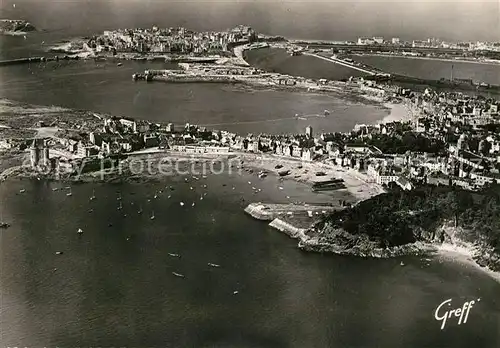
pixel 36 60
pixel 269 212
pixel 22 61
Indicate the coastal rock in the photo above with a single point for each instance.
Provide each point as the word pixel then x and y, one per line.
pixel 15 26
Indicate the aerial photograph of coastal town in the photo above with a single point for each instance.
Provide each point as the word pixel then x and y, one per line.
pixel 249 173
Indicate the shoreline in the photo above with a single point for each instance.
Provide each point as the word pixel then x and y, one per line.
pixel 488 62
pixel 459 251
pixel 464 253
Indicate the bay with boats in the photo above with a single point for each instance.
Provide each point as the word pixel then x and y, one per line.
pixel 200 272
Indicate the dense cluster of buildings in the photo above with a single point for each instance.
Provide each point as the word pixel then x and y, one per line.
pixel 171 40
pixel 466 126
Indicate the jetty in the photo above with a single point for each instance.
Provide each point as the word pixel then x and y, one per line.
pixel 269 212
pixel 344 63
pixel 29 60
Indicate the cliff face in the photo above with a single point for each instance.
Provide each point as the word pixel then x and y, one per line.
pixel 339 241
pixel 15 26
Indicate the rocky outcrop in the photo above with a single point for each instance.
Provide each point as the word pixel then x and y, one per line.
pixel 15 26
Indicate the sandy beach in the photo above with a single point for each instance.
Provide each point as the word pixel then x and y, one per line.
pixel 463 254
pixel 398 112
pixel 356 183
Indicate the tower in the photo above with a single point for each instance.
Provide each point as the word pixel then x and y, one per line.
pixel 45 156
pixel 309 132
pixel 34 153
pixel 39 153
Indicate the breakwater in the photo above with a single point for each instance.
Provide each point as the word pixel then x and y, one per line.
pixel 269 212
pixel 29 60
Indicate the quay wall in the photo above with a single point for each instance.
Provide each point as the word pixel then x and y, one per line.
pixel 35 60
pixel 21 61
pixel 257 211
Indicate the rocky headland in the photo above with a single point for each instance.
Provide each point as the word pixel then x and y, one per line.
pixel 15 27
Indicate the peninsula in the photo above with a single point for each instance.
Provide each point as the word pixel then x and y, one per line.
pixel 15 27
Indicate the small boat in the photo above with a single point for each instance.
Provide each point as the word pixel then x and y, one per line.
pixel 119 198
pixel 152 216
pixel 59 252
pixel 91 210
pixel 174 255
pixel 213 265
pixel 120 207
pixel 139 211
pixel 22 191
pixel 80 231
pixel 155 196
pixel 119 64
pixel 192 204
pixel 93 195
pixel 235 292
pixel 326 112
pixel 191 187
pixel 55 189
pixel 4 225
pixel 178 274
pixel 169 196
pixel 201 198
pixel 69 193
pixel 182 204
pixel 402 263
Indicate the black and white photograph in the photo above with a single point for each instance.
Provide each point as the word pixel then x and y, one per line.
pixel 256 173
